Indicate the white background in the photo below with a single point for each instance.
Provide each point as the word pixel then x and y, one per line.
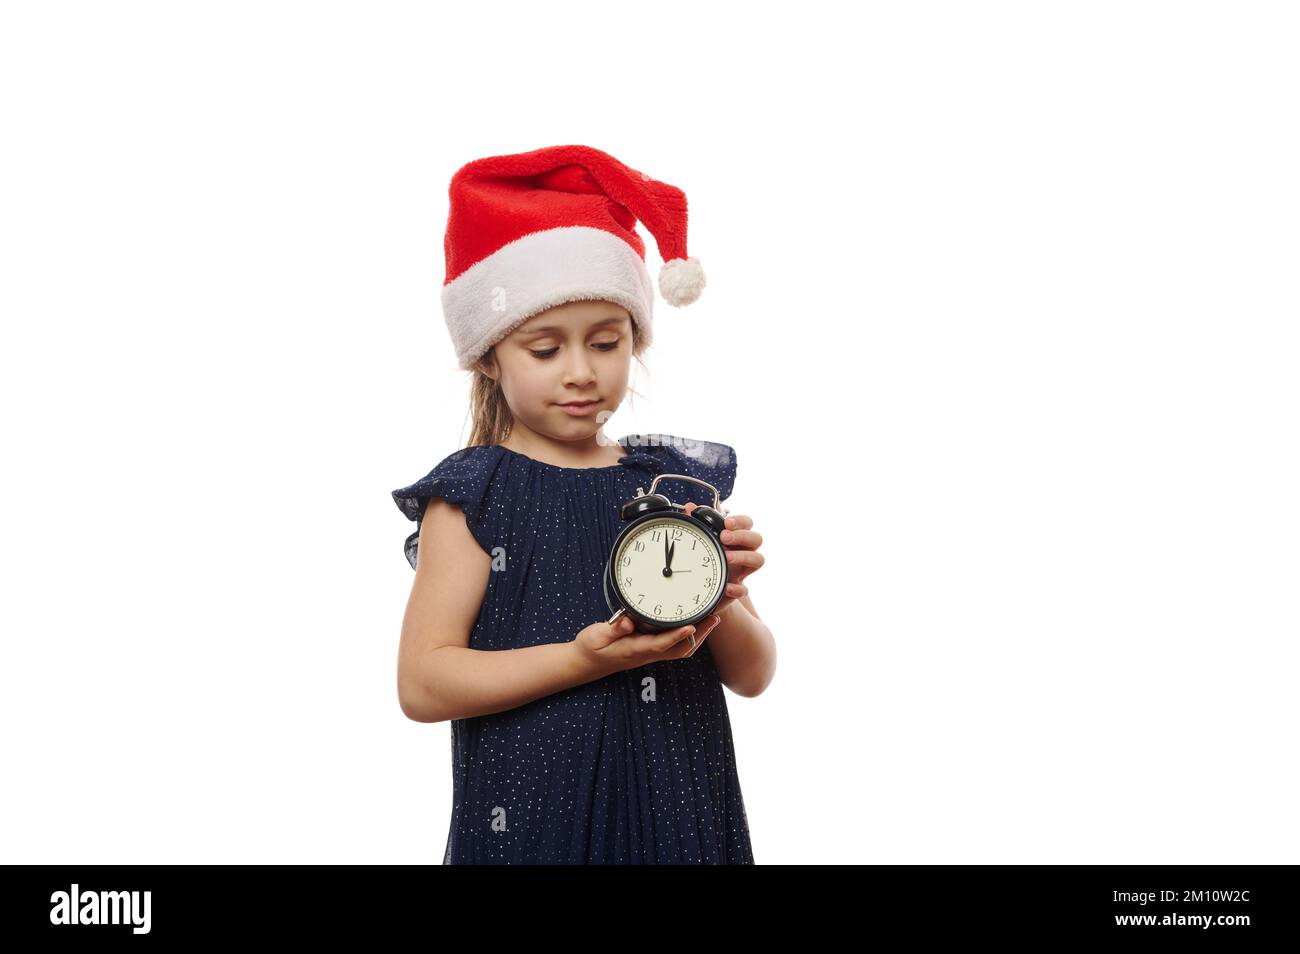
pixel 1001 321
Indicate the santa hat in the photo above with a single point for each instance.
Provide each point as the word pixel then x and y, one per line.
pixel 530 231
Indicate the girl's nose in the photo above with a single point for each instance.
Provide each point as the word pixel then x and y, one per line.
pixel 578 371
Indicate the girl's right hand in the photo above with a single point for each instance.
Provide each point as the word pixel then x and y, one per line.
pixel 606 649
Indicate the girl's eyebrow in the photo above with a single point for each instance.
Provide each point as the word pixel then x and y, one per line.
pixel 616 320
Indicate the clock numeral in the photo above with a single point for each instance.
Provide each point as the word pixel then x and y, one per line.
pixel 697 598
pixel 659 610
pixel 640 597
pixel 708 560
pixel 638 545
pixel 626 561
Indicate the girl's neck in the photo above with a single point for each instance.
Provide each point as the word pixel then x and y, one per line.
pixel 595 451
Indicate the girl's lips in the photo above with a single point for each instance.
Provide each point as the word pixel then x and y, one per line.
pixel 579 410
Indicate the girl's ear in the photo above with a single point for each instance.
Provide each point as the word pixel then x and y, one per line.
pixel 488 363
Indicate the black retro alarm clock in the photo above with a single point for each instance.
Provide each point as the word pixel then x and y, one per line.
pixel 667 568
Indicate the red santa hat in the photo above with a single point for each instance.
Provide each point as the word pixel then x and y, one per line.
pixel 533 230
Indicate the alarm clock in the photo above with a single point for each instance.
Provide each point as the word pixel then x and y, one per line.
pixel 667 568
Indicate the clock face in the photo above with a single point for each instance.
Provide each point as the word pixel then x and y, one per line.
pixel 696 561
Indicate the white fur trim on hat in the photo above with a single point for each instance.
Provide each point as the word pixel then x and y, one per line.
pixel 539 271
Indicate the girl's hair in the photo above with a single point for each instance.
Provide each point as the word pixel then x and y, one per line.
pixel 488 411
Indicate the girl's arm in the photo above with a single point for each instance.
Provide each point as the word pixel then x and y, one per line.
pixel 438 676
pixel 743 649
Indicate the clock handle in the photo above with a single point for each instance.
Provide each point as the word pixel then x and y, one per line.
pixel 694 480
pixel 614 619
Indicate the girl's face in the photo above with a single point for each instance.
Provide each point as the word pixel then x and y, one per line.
pixel 577 351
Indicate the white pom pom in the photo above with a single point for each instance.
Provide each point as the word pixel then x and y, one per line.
pixel 681 280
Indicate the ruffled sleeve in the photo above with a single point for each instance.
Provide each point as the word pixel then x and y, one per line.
pixel 461 478
pixel 709 461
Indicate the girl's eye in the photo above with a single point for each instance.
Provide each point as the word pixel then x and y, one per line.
pixel 543 355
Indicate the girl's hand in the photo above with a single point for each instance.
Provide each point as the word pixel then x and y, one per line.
pixel 605 649
pixel 741 543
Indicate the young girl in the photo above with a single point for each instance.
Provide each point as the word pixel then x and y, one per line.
pixel 573 741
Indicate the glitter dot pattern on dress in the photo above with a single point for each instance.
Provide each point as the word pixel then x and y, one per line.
pixel 605 772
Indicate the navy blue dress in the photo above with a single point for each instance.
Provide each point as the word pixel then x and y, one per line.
pixel 637 767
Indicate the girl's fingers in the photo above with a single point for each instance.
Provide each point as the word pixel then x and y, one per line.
pixel 659 642
pixel 737 535
pixel 684 648
pixel 603 635
pixel 742 539
pixel 731 593
pixel 682 645
pixel 744 560
pixel 692 650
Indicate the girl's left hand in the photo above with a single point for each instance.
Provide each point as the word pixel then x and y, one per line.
pixel 741 542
